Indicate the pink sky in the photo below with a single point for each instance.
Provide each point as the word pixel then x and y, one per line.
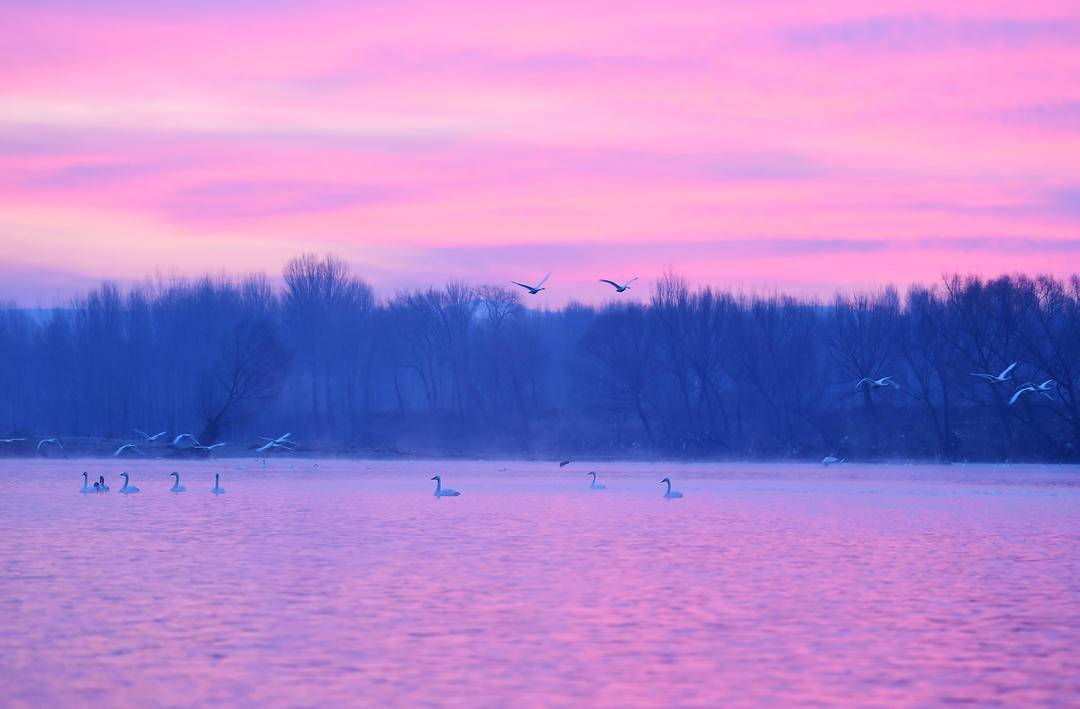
pixel 805 146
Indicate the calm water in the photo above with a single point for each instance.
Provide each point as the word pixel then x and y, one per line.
pixel 350 584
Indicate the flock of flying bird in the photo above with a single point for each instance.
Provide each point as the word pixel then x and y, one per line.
pixel 533 290
pixel 1002 378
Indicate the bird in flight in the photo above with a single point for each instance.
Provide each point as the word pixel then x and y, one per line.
pixel 126 447
pixel 619 289
pixel 147 437
pixel 875 383
pixel 11 440
pixel 1031 388
pixel 183 436
pixel 1005 375
pixel 49 441
pixel 533 290
pixel 279 442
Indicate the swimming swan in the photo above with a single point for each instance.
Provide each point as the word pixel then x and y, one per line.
pixel 440 492
pixel 128 488
pixel 218 489
pixel 595 485
pixel 102 487
pixel 670 494
pixel 176 486
pixel 86 484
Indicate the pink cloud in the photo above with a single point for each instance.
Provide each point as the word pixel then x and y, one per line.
pixel 195 136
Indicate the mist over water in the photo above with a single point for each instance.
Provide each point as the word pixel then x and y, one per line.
pixel 350 584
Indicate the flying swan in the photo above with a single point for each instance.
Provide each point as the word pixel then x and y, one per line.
pixel 619 288
pixel 533 290
pixel 1005 375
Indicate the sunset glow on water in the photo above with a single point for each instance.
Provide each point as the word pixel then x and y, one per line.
pixel 350 584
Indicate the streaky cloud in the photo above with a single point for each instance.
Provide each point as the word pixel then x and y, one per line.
pixel 918 33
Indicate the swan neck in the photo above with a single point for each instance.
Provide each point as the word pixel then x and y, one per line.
pixel 438 485
pixel 668 485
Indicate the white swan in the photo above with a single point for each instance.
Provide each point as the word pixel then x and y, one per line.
pixel 279 442
pixel 533 290
pixel 50 441
pixel 128 488
pixel 1031 388
pixel 147 437
pixel 831 460
pixel 997 378
pixel 875 383
pixel 182 436
pixel 86 484
pixel 440 491
pixel 595 485
pixel 619 288
pixel 176 486
pixel 128 447
pixel 670 494
pixel 209 448
pixel 218 489
pixel 11 440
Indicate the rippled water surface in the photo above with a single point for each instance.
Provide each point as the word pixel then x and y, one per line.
pixel 350 584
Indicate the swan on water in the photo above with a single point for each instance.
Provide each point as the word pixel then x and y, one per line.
pixel 128 488
pixel 50 441
pixel 533 290
pixel 176 486
pixel 86 484
pixel 1031 388
pixel 102 487
pixel 875 383
pixel 595 485
pixel 440 491
pixel 147 437
pixel 128 447
pixel 670 494
pixel 619 288
pixel 218 489
pixel 1005 375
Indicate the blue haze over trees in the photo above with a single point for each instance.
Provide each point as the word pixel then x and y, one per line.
pixel 468 370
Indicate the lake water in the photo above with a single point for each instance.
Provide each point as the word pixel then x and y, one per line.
pixel 350 584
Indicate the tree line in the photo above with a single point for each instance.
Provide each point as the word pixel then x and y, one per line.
pixel 469 370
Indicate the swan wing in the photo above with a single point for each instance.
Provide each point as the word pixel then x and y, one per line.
pixel 612 283
pixel 528 288
pixel 142 433
pixel 541 283
pixel 1005 372
pixel 987 377
pixel 1017 395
